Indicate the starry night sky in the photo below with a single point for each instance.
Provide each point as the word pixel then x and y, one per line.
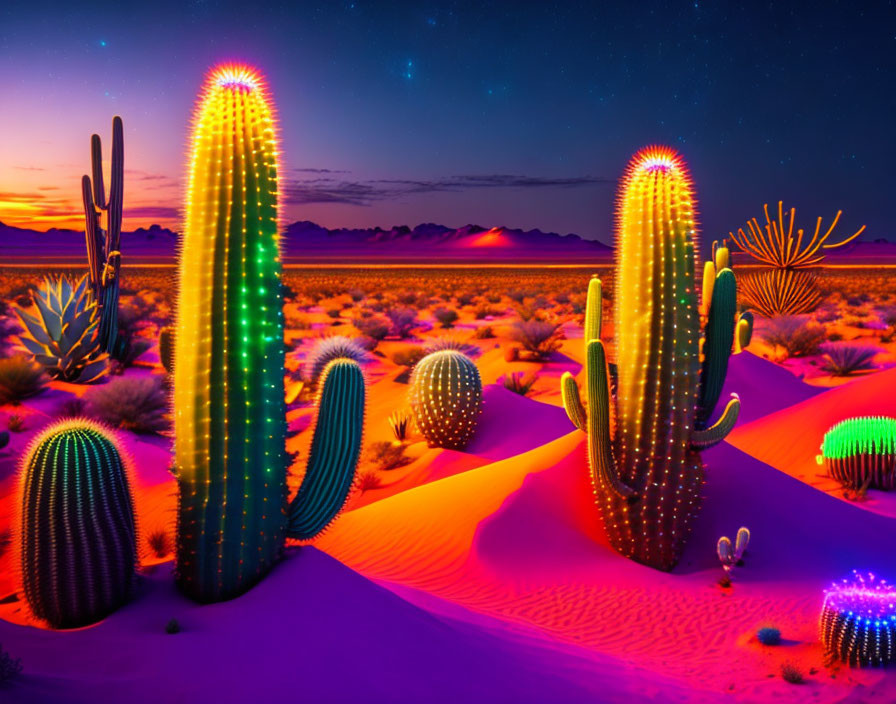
pixel 514 113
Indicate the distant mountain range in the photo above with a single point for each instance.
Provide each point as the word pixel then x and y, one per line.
pixel 426 243
pixel 306 241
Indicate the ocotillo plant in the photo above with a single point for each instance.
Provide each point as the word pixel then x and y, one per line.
pixel 103 244
pixel 647 479
pixel 230 427
pixel 78 537
pixel 446 398
pixel 785 286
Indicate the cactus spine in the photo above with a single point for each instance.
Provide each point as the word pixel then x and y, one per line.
pixel 230 427
pixel 446 398
pixel 78 538
pixel 103 245
pixel 647 479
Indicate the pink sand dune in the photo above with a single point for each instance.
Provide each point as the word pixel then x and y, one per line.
pixel 790 438
pixel 312 628
pixel 521 541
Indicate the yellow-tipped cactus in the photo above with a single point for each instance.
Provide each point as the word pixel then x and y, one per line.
pixel 647 478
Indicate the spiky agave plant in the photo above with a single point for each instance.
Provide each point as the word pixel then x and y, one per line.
pixel 63 336
pixel 230 428
pixel 647 478
pixel 77 532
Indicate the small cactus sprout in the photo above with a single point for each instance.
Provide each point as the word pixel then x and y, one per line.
pixel 400 422
pixel 78 538
pixel 861 452
pixel 858 621
pixel 732 555
pixel 446 398
pixel 769 635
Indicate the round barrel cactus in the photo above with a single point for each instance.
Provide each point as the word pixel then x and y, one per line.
pixel 861 452
pixel 858 621
pixel 446 398
pixel 78 535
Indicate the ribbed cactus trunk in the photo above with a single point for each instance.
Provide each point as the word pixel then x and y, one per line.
pixel 229 400
pixel 78 536
pixel 446 398
pixel 657 357
pixel 648 476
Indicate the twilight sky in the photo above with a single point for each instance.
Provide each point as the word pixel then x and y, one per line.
pixel 497 113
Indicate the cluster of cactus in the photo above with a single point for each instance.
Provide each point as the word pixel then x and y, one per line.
pixel 103 244
pixel 732 555
pixel 647 478
pixel 230 427
pixel 858 621
pixel 78 536
pixel 784 287
pixel 446 398
pixel 861 452
pixel 63 337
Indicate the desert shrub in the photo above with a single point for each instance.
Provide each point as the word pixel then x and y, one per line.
pixel 403 320
pixel 486 332
pixel 400 423
pixel 172 627
pixel 780 291
pixel 9 329
pixel 792 333
pixel 519 383
pixel 484 310
pixel 386 455
pixel 15 423
pixel 769 636
pixel 134 347
pixel 327 349
pixel 538 337
pixel 375 327
pixel 159 543
pixel 137 404
pixel 792 673
pixel 297 321
pixel 356 294
pixel 10 667
pixel 446 316
pixel 369 480
pixel 20 378
pixel 450 343
pixel 72 407
pixel 408 356
pixel 844 358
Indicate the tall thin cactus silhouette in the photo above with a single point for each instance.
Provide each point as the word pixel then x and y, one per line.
pixel 104 243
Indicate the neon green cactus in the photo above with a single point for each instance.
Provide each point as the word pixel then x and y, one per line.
pixel 230 427
pixel 861 452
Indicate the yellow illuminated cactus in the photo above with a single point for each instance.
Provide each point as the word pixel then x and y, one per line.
pixel 648 477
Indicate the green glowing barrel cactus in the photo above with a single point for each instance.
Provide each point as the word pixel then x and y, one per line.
pixel 446 398
pixel 861 452
pixel 78 537
pixel 648 476
pixel 230 427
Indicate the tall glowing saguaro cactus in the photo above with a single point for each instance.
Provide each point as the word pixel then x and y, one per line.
pixel 647 478
pixel 230 423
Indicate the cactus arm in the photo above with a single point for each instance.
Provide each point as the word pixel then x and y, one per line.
pixel 572 402
pixel 704 439
pixel 743 333
pixel 722 258
pixel 116 190
pixel 335 449
pixel 593 310
pixel 96 163
pixel 717 348
pixel 600 449
pixel 709 280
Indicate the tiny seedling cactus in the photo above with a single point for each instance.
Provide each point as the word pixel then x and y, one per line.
pixel 732 555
